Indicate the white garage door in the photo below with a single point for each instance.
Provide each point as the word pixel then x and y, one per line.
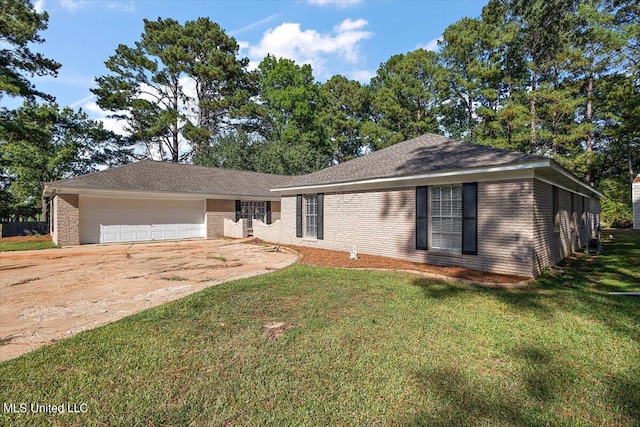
pixel 106 220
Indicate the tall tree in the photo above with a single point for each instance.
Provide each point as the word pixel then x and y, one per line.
pixel 149 86
pixel 20 26
pixel 543 25
pixel 223 87
pixel 404 96
pixel 54 144
pixel 290 108
pixel 346 115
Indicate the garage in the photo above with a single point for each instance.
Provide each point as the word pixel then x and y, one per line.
pixel 150 200
pixel 109 220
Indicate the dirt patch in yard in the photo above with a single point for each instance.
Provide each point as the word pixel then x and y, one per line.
pixel 340 259
pixel 46 295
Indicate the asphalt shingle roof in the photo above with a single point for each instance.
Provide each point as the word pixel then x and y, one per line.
pixel 425 154
pixel 148 175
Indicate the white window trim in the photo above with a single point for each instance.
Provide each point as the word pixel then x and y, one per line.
pixel 306 217
pixel 445 251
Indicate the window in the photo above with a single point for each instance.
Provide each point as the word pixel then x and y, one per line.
pixel 445 208
pixel 447 218
pixel 250 210
pixel 310 215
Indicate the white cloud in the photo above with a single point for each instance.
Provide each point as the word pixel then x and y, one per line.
pixel 38 6
pixel 255 25
pixel 81 102
pixel 431 45
pixel 349 25
pixel 72 5
pixel 363 76
pixel 122 6
pixel 96 113
pixel 311 47
pixel 337 3
pixel 126 6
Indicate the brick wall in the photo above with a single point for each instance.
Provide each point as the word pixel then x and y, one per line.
pixel 66 220
pixel 275 211
pixel 382 222
pixel 267 232
pixel 235 229
pixel 217 211
pixel 574 228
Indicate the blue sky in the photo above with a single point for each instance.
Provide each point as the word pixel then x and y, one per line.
pixel 348 37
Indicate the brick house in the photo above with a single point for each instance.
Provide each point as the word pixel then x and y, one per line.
pixel 151 200
pixel 439 201
pixel 430 199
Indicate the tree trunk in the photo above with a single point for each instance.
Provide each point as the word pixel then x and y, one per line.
pixel 589 137
pixel 532 107
pixel 175 142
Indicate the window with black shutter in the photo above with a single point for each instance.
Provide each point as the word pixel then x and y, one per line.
pixel 320 217
pixel 470 218
pixel 268 212
pixel 299 215
pixel 422 217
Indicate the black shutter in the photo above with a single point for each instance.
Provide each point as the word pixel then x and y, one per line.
pixel 299 215
pixel 238 209
pixel 555 207
pixel 268 212
pixel 422 217
pixel 470 218
pixel 320 217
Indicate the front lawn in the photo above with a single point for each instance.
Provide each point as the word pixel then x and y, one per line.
pixel 26 243
pixel 362 348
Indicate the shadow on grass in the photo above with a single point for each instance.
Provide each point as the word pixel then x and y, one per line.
pixel 465 401
pixel 624 390
pixel 580 287
pixel 546 376
pixel 530 300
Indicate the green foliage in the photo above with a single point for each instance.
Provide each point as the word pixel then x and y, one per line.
pixel 290 110
pixel 616 209
pixel 149 82
pixel 345 115
pixel 20 26
pixel 404 96
pixel 231 151
pixel 52 144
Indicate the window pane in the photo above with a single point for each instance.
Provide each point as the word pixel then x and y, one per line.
pixel 446 217
pixel 311 215
pixel 436 225
pixel 435 193
pixel 436 241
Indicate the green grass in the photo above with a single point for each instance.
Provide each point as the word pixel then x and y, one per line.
pixel 366 348
pixel 25 246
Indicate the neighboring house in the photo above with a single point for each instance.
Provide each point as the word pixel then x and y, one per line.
pixel 151 200
pixel 430 199
pixel 636 202
pixel 440 201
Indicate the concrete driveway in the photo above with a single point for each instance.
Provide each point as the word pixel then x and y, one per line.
pixel 51 294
